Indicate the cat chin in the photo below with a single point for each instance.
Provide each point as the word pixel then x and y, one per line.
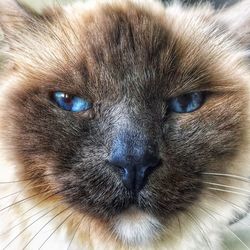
pixel 135 227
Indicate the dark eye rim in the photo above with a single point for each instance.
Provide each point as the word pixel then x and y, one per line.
pixel 204 95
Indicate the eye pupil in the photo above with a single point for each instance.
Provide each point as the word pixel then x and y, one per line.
pixel 67 99
pixel 184 100
pixel 71 103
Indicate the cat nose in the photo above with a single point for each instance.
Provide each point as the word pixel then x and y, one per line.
pixel 136 158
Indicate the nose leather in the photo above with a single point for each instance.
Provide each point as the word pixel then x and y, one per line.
pixel 136 157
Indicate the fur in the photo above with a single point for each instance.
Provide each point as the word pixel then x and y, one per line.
pixel 128 58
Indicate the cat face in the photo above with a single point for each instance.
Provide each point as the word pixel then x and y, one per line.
pixel 131 151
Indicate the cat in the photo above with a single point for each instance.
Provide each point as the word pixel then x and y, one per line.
pixel 124 125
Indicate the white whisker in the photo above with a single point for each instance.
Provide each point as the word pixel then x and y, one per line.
pixel 228 202
pixel 235 235
pixel 56 229
pixel 237 177
pixel 228 191
pixel 74 234
pixel 46 224
pixel 201 230
pixel 226 186
pixel 22 231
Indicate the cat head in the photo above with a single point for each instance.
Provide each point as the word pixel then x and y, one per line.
pixel 131 113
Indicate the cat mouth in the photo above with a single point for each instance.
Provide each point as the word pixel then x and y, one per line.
pixel 135 205
pixel 134 226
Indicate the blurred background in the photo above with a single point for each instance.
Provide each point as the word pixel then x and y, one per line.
pixel 237 236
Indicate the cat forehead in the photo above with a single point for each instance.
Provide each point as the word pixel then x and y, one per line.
pixel 128 41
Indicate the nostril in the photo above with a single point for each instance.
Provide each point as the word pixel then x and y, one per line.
pixel 116 167
pixel 151 159
pixel 134 175
pixel 152 167
pixel 120 170
pixel 149 168
pixel 133 160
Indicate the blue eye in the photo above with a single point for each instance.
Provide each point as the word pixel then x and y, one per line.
pixel 71 103
pixel 186 103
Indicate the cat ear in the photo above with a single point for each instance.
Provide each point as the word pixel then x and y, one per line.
pixel 237 19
